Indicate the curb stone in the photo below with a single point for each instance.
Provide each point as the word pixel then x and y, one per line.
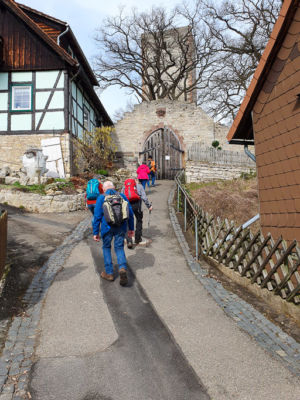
pixel 266 334
pixel 16 359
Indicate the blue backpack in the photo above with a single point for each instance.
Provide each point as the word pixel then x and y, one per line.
pixel 92 189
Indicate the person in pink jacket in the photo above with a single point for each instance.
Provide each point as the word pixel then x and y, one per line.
pixel 143 172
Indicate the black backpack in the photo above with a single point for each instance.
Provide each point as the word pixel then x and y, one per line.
pixel 115 209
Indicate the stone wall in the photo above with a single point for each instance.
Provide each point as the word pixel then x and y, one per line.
pixel 12 148
pixel 43 204
pixel 197 171
pixel 189 122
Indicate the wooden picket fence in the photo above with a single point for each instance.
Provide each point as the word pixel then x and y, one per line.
pixel 198 152
pixel 3 240
pixel 272 264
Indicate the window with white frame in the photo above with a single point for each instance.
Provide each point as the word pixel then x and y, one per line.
pixel 86 119
pixel 21 98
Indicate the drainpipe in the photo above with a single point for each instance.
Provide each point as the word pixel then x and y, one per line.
pixel 63 33
pixel 249 154
pixel 247 151
pixel 248 223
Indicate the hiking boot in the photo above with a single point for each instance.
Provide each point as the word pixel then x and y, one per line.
pixel 142 242
pixel 123 277
pixel 129 244
pixel 107 277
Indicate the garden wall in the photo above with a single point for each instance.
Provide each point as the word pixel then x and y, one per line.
pixel 43 204
pixel 200 171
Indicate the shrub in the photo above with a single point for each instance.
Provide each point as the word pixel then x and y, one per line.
pixel 248 175
pixel 60 180
pixel 103 172
pixel 95 150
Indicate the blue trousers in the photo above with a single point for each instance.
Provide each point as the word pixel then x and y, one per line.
pixel 118 234
pixel 153 177
pixel 143 182
pixel 91 207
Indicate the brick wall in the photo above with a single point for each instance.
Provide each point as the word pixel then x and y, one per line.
pixel 276 118
pixel 12 148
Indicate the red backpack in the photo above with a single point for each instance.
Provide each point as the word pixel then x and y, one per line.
pixel 131 190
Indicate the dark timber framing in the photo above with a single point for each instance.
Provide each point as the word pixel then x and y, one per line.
pixel 49 100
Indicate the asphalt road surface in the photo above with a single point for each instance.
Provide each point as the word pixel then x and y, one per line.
pixel 143 363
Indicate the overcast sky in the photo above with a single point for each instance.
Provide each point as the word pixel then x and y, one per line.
pixel 84 16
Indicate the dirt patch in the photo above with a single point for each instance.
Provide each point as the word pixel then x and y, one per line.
pixel 236 200
pixel 31 240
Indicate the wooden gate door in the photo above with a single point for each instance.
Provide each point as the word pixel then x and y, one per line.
pixel 165 149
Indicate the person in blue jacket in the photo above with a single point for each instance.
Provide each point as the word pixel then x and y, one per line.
pixel 109 232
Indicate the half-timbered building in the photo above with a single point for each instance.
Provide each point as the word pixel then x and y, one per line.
pixel 47 96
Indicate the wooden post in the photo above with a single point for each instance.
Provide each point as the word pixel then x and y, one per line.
pixel 178 197
pixel 184 213
pixel 3 240
pixel 196 236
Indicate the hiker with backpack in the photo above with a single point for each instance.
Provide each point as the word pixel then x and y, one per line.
pixel 135 193
pixel 114 213
pixel 93 190
pixel 143 174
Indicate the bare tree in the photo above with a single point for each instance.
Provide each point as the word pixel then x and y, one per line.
pixel 214 56
pixel 119 113
pixel 239 30
pixel 149 54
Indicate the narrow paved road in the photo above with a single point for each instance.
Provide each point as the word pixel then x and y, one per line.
pixel 99 341
pixel 143 363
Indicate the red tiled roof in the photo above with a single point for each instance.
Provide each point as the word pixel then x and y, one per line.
pixel 241 128
pixel 53 33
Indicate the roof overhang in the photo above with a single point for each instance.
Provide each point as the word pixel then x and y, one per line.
pixel 242 142
pixel 13 7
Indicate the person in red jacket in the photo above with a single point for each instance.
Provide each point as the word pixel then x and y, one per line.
pixel 143 172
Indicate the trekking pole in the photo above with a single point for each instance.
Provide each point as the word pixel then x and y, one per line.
pixel 149 217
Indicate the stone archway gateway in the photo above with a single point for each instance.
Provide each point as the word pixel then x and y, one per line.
pixel 165 148
pixel 164 128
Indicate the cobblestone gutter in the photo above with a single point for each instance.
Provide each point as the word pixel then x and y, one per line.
pixel 268 335
pixel 17 356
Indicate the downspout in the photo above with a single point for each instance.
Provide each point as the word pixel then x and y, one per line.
pixel 63 33
pixel 253 158
pixel 249 154
pixel 247 151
